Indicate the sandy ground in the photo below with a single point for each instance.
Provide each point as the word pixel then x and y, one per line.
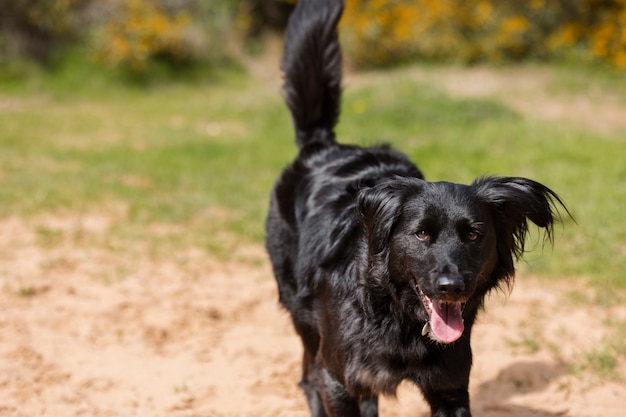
pixel 89 330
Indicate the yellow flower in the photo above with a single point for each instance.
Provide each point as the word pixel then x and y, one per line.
pixel 483 11
pixel 620 58
pixel 514 24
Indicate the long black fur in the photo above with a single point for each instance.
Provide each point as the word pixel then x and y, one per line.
pixel 360 244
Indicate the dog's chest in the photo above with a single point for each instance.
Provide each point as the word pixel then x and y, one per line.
pixel 382 368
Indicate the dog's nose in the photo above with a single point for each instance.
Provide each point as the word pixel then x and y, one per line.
pixel 450 286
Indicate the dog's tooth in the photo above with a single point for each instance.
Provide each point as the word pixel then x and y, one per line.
pixel 426 329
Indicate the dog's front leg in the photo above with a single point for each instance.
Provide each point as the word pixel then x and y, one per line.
pixel 449 403
pixel 337 400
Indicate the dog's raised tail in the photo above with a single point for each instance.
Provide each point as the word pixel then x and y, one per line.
pixel 312 70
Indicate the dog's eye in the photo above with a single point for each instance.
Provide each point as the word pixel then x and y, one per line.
pixel 473 236
pixel 422 235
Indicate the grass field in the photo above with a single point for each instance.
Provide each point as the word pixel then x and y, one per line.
pixel 201 158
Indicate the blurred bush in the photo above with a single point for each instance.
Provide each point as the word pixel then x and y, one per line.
pixel 137 36
pixel 257 16
pixel 35 28
pixel 383 32
pixel 137 31
pixel 134 34
pixel 142 36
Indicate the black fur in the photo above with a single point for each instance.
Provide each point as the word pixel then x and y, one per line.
pixel 374 264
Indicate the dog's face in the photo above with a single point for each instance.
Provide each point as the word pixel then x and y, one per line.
pixel 445 243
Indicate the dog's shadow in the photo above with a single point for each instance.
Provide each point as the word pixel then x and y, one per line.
pixel 494 397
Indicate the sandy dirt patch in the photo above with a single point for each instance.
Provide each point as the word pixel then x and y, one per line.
pixel 88 331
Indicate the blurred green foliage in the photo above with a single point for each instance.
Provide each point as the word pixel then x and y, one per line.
pixel 142 37
pixel 34 28
pixel 133 36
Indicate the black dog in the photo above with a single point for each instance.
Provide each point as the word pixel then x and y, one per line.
pixel 383 273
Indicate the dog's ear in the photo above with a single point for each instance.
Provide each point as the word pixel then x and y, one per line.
pixel 380 206
pixel 515 201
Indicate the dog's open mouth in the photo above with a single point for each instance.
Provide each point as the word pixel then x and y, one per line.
pixel 446 319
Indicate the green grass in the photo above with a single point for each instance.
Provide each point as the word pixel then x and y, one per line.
pixel 203 157
pixel 603 360
pixel 458 139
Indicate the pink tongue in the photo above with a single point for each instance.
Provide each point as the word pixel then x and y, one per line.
pixel 446 321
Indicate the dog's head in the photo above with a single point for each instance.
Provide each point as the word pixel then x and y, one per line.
pixel 448 244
